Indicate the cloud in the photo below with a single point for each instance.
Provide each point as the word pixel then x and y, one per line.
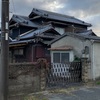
pixel 94 20
pixel 78 8
pixel 81 8
pixel 87 10
pixel 28 5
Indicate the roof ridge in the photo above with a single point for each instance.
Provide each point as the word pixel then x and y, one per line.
pixel 53 12
pixel 20 15
pixel 26 33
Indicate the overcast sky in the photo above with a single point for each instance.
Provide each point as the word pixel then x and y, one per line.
pixel 87 10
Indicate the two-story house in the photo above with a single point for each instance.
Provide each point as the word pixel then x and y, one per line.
pixel 31 35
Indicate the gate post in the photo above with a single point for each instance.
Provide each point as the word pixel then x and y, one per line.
pixel 85 65
pixel 43 69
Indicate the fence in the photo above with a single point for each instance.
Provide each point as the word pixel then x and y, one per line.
pixel 26 77
pixel 64 73
pixel 31 77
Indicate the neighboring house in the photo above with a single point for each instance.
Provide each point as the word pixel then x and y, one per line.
pixel 20 24
pixel 32 45
pixel 30 36
pixel 72 47
pixel 62 23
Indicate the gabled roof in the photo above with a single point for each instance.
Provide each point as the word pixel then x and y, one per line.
pixel 84 35
pixel 20 43
pixel 38 32
pixel 87 32
pixel 55 16
pixel 22 20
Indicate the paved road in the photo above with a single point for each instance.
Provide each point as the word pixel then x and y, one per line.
pixel 83 93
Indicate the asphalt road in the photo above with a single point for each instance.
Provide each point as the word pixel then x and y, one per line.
pixel 83 93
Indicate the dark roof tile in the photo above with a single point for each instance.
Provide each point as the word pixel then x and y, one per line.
pixel 23 20
pixel 37 32
pixel 59 17
pixel 84 35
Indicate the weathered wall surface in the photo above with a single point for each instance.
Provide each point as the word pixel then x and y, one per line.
pixel 96 60
pixel 26 77
pixel 78 47
pixel 77 44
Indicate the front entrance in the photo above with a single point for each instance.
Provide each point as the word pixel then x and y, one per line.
pixel 61 74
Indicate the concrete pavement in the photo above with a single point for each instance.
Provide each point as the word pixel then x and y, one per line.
pixel 83 93
pixel 72 93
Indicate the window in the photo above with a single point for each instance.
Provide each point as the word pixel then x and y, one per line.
pixel 64 57
pixel 60 57
pixel 18 52
pixel 56 57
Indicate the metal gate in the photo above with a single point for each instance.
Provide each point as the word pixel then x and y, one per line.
pixel 61 74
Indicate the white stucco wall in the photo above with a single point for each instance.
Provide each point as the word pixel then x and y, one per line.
pixel 78 46
pixel 96 60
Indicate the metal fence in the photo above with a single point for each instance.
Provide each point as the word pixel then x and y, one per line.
pixel 61 74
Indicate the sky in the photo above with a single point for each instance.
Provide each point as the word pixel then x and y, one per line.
pixel 86 10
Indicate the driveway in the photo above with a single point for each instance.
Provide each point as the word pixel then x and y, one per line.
pixel 83 93
pixel 72 93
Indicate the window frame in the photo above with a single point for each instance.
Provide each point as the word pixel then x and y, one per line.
pixel 71 55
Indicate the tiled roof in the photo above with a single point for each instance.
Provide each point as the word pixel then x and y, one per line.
pixel 23 20
pixel 79 35
pixel 38 32
pixel 20 42
pixel 58 17
pixel 65 47
pixel 87 32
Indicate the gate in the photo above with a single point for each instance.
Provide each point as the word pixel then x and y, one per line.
pixel 61 74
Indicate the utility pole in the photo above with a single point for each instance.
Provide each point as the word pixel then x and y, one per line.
pixel 4 50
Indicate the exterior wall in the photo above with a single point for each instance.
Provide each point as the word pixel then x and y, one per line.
pixel 29 53
pixel 96 60
pixel 74 29
pixel 25 78
pixel 77 44
pixel 78 47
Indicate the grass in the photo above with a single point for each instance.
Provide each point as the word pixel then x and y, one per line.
pixel 98 82
pixel 39 97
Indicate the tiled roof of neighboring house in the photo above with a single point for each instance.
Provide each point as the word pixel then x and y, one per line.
pixel 38 32
pixel 65 47
pixel 58 17
pixel 23 20
pixel 20 43
pixel 80 35
pixel 87 32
